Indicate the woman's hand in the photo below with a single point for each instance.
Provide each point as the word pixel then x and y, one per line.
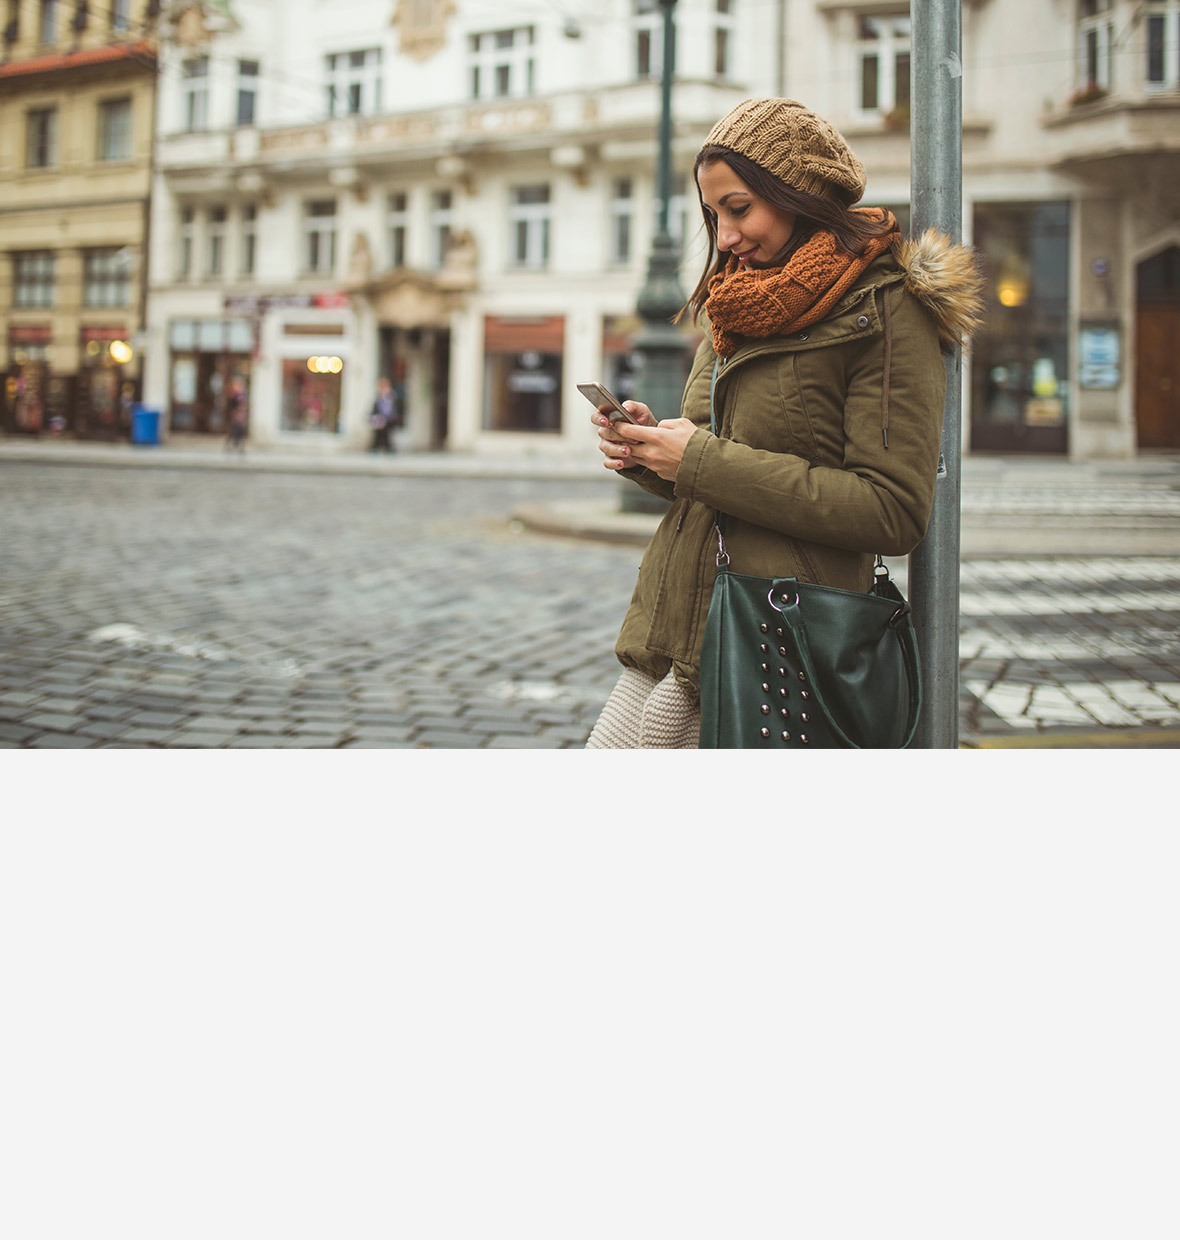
pixel 657 445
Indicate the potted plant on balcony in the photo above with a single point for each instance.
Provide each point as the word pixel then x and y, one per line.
pixel 897 120
pixel 1090 93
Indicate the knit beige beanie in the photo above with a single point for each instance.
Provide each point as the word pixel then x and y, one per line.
pixel 793 144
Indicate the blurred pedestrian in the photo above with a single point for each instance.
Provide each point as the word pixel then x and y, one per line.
pixel 385 416
pixel 810 426
pixel 238 410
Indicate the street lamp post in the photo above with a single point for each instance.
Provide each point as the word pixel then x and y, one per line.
pixel 660 345
pixel 936 173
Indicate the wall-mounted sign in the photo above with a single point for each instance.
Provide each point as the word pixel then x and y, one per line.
pixel 1098 357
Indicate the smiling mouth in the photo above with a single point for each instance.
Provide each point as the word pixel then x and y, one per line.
pixel 749 254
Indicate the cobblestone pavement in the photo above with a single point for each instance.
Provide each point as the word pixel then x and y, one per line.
pixel 183 608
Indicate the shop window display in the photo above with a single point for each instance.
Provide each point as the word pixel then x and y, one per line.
pixel 1020 358
pixel 311 394
pixel 523 373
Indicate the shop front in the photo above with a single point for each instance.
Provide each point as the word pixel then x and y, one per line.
pixel 313 380
pixel 27 381
pixel 206 358
pixel 523 373
pixel 1020 359
pixel 106 389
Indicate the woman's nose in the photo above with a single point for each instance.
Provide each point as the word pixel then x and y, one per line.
pixel 727 236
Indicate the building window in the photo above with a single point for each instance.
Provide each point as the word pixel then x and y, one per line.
pixel 247 91
pixel 114 129
pixel 622 219
pixel 1095 36
pixel 33 279
pixel 106 278
pixel 396 218
pixel 319 231
pixel 723 38
pixel 48 25
pixel 442 222
pixel 215 241
pixel 249 239
pixel 41 138
pixel 648 27
pixel 184 257
pixel 1163 44
pixel 883 64
pixel 354 83
pixel 120 11
pixel 195 89
pixel 502 63
pixel 528 221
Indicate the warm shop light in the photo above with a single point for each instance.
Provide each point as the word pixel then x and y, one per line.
pixel 325 365
pixel 120 352
pixel 1012 284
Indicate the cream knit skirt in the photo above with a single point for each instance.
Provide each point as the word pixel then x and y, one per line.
pixel 645 713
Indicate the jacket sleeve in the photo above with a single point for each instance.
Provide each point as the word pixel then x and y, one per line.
pixel 879 499
pixel 694 404
pixel 649 480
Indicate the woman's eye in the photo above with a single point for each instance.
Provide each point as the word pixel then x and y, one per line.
pixel 738 212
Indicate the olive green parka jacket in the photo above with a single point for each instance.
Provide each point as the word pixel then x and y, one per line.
pixel 826 451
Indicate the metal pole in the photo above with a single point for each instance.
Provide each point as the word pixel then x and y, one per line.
pixel 936 192
pixel 660 345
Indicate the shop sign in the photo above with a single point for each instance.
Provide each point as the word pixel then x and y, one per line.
pixel 255 303
pixel 1044 411
pixel 30 333
pixel 103 335
pixel 531 381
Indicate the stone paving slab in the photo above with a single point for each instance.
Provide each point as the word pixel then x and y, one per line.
pixel 163 608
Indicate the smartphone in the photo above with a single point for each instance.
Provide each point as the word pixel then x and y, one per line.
pixel 597 395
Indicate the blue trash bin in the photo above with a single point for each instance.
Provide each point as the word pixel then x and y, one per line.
pixel 145 425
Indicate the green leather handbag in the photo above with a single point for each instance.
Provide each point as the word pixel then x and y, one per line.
pixel 788 664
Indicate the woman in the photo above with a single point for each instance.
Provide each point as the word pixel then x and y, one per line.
pixel 823 366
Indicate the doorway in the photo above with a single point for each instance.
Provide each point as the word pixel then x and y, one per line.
pixel 1157 351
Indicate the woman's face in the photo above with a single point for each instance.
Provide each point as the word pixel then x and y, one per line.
pixel 748 226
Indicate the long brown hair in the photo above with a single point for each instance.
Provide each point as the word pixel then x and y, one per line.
pixel 852 229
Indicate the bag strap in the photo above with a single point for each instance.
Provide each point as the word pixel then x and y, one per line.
pixel 902 628
pixel 718 518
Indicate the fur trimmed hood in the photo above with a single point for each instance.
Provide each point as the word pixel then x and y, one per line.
pixel 945 277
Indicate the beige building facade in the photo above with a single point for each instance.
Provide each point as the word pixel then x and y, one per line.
pixel 77 87
pixel 462 196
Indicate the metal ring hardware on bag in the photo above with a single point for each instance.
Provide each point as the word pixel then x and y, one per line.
pixel 786 602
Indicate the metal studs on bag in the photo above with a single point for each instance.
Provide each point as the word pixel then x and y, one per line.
pixel 782 694
pixel 777 694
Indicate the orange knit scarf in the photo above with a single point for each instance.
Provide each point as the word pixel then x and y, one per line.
pixel 761 302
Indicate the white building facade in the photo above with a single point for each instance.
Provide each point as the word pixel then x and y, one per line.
pixel 461 195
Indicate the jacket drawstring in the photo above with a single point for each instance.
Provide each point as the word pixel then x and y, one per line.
pixel 888 366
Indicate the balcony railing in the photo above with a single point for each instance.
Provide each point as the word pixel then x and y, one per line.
pixel 577 116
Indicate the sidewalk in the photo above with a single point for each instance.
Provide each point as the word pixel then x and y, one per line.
pixel 1011 506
